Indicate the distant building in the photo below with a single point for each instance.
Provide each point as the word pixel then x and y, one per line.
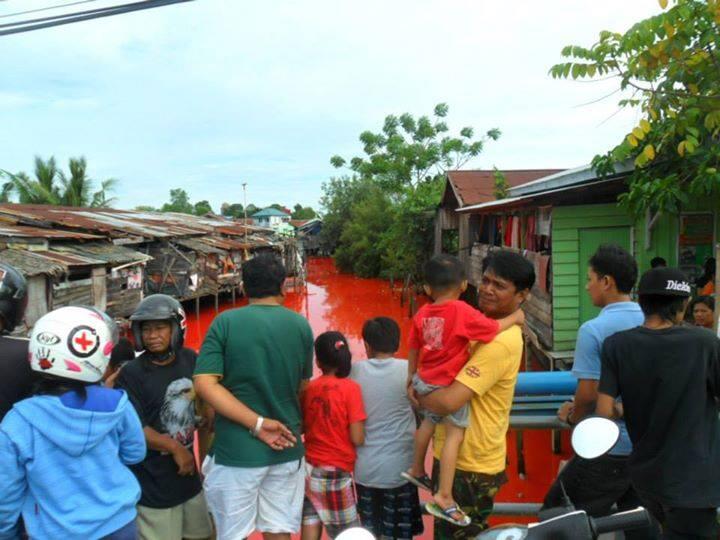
pixel 271 217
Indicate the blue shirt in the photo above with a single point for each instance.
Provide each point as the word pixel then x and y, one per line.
pixel 613 318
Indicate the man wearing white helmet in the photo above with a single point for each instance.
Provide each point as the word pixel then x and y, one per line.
pixel 159 383
pixel 64 451
pixel 16 377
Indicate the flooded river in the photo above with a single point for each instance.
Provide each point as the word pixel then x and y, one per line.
pixel 335 301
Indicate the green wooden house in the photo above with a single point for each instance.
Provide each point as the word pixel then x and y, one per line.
pixel 583 213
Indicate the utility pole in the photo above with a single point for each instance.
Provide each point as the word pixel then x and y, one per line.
pixel 245 211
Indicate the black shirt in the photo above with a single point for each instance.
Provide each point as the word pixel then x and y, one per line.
pixel 16 377
pixel 164 400
pixel 669 381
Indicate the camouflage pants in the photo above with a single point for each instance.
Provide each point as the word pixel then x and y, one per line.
pixel 475 494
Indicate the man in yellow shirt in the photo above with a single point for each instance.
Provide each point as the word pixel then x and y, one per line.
pixel 487 383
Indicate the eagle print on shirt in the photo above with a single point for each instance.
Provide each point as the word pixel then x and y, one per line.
pixel 178 411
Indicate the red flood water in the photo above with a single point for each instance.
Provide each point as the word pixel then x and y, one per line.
pixel 342 302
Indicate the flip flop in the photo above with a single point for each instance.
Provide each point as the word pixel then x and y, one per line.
pixel 422 482
pixel 434 509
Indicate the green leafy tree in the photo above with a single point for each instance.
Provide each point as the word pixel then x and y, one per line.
pixel 252 209
pixel 502 187
pixel 303 212
pixel 146 208
pixel 668 68
pixel 407 162
pixel 409 151
pixel 362 242
pixel 179 202
pixel 201 208
pixel 234 210
pixel 53 186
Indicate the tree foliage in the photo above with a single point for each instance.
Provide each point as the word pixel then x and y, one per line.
pixel 668 67
pixel 380 220
pixel 179 202
pixel 53 186
pixel 303 212
pixel 234 210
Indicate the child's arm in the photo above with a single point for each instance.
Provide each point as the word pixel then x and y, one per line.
pixel 518 317
pixel 412 364
pixel 357 433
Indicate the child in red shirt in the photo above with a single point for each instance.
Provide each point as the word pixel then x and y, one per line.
pixel 441 335
pixel 334 421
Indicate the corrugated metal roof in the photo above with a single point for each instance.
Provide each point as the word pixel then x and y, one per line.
pixel 474 187
pixel 69 260
pixel 21 231
pixel 30 263
pixel 568 178
pixel 104 252
pixel 197 244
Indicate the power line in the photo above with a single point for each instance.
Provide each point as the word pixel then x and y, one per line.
pixel 49 22
pixel 57 6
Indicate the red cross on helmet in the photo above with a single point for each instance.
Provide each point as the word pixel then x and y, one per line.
pixel 72 343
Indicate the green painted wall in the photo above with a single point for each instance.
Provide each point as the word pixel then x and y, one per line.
pixel 569 271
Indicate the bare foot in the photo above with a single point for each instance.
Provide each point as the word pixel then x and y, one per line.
pixel 446 502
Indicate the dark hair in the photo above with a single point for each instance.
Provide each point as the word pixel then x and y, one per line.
pixel 122 352
pixel 664 306
pixel 512 267
pixel 382 334
pixel 612 260
pixel 708 273
pixel 332 352
pixel 49 385
pixel 709 301
pixel 263 276
pixel 657 262
pixel 443 272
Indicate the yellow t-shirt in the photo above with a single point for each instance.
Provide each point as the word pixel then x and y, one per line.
pixel 491 373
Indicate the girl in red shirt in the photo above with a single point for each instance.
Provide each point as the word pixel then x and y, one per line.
pixel 334 421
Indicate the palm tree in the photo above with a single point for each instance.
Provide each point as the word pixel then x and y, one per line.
pixel 74 189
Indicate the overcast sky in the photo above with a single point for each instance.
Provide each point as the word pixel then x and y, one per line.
pixel 209 94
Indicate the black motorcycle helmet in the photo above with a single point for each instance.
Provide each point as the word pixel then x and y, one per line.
pixel 13 296
pixel 159 307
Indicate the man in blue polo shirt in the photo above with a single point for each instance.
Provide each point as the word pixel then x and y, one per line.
pixel 596 485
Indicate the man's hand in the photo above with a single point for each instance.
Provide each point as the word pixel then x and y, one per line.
pixel 412 396
pixel 276 435
pixel 565 410
pixel 519 317
pixel 184 460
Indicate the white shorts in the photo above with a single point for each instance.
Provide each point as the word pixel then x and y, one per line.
pixel 245 499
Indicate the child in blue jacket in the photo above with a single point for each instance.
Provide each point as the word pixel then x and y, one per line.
pixel 64 451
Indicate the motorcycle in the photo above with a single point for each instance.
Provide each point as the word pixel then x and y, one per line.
pixel 591 438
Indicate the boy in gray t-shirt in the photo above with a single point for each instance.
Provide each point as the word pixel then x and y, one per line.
pixel 388 505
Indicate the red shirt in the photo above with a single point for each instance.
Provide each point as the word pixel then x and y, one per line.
pixel 330 405
pixel 441 333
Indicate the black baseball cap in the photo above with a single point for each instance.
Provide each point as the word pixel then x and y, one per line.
pixel 665 282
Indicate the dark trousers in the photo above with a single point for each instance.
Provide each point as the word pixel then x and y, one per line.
pixel 595 485
pixel 684 523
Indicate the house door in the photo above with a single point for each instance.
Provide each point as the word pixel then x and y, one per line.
pixel 590 240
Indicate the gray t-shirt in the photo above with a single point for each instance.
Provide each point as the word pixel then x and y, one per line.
pixel 390 424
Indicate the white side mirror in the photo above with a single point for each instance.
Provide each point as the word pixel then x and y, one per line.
pixel 355 533
pixel 594 437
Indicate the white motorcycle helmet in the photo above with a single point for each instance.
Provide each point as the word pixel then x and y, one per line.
pixel 72 343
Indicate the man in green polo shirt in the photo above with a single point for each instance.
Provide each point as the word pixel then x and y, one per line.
pixel 253 365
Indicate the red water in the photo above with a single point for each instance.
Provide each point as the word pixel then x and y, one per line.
pixel 342 302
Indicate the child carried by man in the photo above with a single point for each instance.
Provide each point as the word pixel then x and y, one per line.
pixel 441 335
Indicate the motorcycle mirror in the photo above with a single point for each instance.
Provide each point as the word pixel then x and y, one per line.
pixel 594 437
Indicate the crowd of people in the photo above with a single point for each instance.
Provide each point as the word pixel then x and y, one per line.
pixel 108 438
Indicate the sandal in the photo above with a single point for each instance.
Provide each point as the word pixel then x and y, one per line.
pixel 422 482
pixel 434 510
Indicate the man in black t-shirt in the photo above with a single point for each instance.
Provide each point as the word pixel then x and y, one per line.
pixel 16 377
pixel 159 384
pixel 668 376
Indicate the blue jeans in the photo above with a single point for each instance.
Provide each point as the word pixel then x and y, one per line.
pixel 128 532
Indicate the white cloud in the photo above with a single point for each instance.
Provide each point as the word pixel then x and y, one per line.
pixel 212 93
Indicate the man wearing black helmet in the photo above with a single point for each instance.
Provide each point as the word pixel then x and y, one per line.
pixel 668 376
pixel 159 384
pixel 16 377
